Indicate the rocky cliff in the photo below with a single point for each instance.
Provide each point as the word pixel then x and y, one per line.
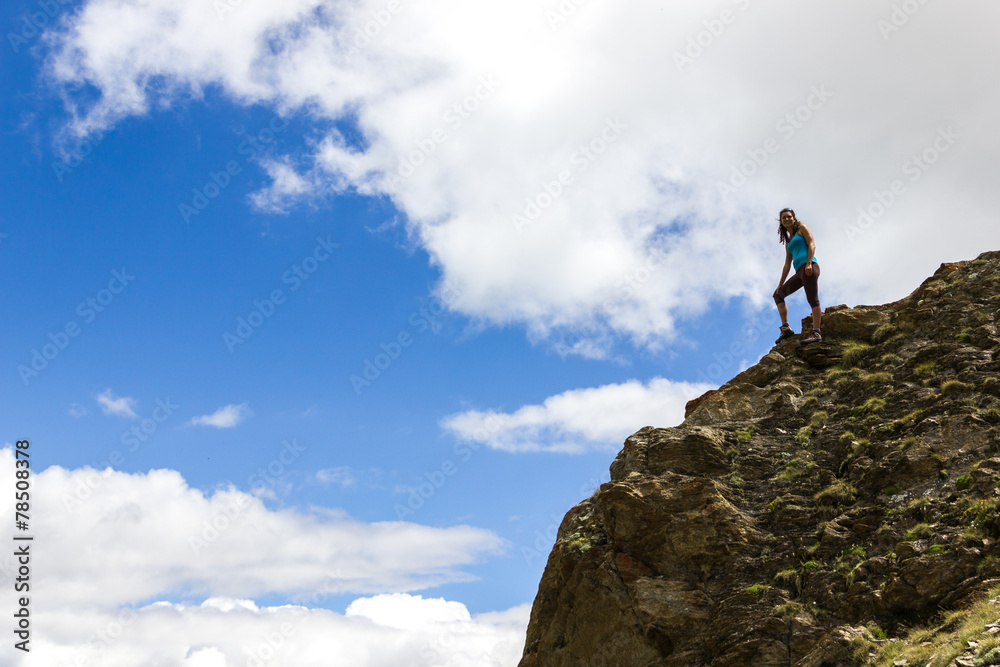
pixel 835 504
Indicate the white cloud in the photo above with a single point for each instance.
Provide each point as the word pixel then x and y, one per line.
pixel 76 410
pixel 123 406
pixel 223 632
pixel 416 92
pixel 579 420
pixel 169 537
pixel 118 556
pixel 225 417
pixel 342 476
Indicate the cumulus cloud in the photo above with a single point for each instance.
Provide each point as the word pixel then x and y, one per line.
pixel 578 420
pixel 224 632
pixel 124 553
pixel 170 538
pixel 621 168
pixel 227 416
pixel 122 406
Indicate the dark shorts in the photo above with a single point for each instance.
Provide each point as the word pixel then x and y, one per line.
pixel 800 279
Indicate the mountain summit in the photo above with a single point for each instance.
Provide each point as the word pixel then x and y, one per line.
pixel 833 505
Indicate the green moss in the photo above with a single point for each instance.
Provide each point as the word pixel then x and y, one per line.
pixel 789 609
pixel 786 576
pixel 838 493
pixel 890 360
pixel 756 589
pixel 802 437
pixel 875 380
pixel 940 641
pixel 989 415
pixel 819 419
pixel 910 418
pixel 925 369
pixel 965 337
pixel 883 333
pixel 579 542
pixel 855 550
pixel 855 354
pixel 981 515
pixel 988 657
pixel 873 404
pixel 895 341
pixel 937 549
pixel 955 387
pixel 797 468
pixel 921 531
pixel 963 483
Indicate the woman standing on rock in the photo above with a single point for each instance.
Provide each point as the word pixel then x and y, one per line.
pixel 800 252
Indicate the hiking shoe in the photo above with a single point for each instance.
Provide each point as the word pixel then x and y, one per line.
pixel 786 332
pixel 814 337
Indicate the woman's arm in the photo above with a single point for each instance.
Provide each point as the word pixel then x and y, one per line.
pixel 811 244
pixel 788 265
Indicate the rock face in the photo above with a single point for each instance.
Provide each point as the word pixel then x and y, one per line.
pixel 831 486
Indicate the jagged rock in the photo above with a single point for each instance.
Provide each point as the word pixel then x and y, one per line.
pixel 822 354
pixel 858 323
pixel 829 486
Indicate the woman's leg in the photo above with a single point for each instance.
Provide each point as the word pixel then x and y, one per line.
pixel 811 283
pixel 791 285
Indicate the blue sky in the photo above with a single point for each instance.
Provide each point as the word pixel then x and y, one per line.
pixel 539 250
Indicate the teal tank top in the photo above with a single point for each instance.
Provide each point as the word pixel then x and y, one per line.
pixel 799 249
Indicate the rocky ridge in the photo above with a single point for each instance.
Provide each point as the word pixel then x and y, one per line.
pixel 817 510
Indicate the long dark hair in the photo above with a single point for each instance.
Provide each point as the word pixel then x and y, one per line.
pixel 783 236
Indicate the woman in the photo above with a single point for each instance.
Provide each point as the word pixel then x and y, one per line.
pixel 800 252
